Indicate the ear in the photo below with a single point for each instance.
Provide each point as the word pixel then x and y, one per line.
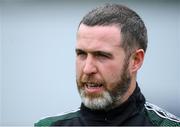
pixel 137 60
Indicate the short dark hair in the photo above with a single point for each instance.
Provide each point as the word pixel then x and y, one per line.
pixel 132 28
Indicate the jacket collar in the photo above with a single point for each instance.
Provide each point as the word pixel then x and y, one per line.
pixel 129 108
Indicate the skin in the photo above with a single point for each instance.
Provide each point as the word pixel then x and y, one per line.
pixel 100 60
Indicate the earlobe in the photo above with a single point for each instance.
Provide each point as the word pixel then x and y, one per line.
pixel 137 59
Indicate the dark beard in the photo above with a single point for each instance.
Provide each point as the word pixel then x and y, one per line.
pixel 121 88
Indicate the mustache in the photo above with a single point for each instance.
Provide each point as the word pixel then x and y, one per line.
pixel 91 79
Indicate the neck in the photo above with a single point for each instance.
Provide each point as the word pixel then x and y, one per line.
pixel 129 91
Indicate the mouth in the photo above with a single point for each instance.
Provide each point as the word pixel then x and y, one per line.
pixel 93 87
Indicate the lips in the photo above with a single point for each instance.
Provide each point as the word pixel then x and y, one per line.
pixel 93 87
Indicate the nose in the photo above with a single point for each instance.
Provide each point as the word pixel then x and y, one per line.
pixel 89 67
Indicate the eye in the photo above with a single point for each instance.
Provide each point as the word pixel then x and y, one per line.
pixel 103 55
pixel 81 54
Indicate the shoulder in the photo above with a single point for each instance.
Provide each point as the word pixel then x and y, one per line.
pixel 64 116
pixel 160 117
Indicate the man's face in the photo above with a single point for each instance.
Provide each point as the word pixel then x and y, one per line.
pixel 102 73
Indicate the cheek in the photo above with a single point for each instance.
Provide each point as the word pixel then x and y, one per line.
pixel 112 73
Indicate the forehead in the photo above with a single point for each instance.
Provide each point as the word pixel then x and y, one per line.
pixel 98 36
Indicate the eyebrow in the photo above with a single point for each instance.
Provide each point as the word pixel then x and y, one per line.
pixel 95 52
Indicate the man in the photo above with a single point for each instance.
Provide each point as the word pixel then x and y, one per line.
pixel 110 49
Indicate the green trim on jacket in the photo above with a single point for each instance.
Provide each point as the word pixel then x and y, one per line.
pixel 160 117
pixel 49 120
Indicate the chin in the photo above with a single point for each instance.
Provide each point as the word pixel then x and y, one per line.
pixel 100 102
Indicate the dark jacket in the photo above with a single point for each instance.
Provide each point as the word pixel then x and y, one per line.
pixel 134 112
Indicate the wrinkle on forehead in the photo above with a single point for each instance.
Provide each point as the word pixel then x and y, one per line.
pixel 106 35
